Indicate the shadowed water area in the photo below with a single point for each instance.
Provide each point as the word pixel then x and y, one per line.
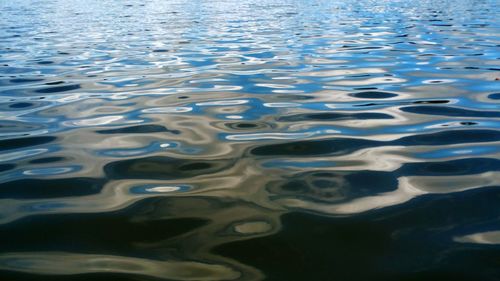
pixel 249 140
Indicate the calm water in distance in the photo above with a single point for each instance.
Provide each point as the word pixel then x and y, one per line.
pixel 249 140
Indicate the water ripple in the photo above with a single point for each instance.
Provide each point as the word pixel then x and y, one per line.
pixel 249 140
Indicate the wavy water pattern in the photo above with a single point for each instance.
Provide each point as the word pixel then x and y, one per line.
pixel 249 140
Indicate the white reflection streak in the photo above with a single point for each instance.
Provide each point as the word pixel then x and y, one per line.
pixel 222 102
pixel 104 120
pixel 487 237
pixel 272 136
pixel 179 109
pixel 163 189
pixel 408 188
pixel 16 155
pixel 279 136
pixel 282 104
pixel 63 263
pixel 343 72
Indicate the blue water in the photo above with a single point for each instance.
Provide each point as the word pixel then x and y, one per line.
pixel 249 140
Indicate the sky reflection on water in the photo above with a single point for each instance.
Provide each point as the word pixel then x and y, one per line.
pixel 249 140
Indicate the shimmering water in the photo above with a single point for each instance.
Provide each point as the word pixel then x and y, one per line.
pixel 249 140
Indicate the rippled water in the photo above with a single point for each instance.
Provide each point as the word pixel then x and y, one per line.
pixel 249 140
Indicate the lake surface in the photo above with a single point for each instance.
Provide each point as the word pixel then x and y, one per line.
pixel 249 140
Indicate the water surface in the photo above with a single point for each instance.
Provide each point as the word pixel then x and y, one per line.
pixel 249 140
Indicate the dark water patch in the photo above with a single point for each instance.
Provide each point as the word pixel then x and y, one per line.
pixel 54 188
pixel 292 255
pixel 451 137
pixel 195 166
pixel 401 102
pixel 468 123
pixel 21 105
pixel 247 125
pixel 58 89
pixel 164 168
pixel 431 101
pixel 383 244
pixel 140 129
pixel 91 233
pixel 495 96
pixel 25 80
pixel 369 104
pixel 441 24
pixel 449 111
pixel 7 167
pixel 47 160
pixel 451 168
pixel 24 142
pixel 360 75
pixel 54 83
pixel 329 116
pixel 354 48
pixel 373 95
pixel 340 146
